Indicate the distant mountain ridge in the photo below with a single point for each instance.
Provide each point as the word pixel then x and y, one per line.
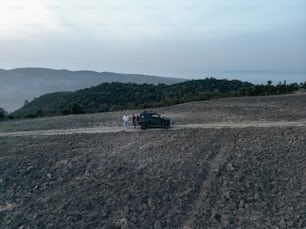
pixel 19 84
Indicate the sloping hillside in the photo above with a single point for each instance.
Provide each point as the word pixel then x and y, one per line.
pixel 17 85
pixel 218 177
pixel 119 96
pixel 231 110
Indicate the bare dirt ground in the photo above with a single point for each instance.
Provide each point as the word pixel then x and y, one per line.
pixel 95 130
pixel 247 172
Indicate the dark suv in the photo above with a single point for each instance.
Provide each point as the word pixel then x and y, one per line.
pixel 152 119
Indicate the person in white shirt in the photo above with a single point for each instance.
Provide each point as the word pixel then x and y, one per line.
pixel 125 119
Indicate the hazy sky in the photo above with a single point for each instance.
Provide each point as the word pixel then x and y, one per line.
pixel 172 38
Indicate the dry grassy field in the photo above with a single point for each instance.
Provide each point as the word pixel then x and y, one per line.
pixel 225 177
pixel 241 109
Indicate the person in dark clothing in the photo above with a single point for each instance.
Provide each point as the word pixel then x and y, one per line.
pixel 134 121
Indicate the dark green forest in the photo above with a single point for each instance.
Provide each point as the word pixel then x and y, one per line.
pixel 120 96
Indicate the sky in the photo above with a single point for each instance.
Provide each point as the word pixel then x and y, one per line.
pixel 189 39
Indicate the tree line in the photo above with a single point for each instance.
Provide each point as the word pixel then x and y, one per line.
pixel 120 96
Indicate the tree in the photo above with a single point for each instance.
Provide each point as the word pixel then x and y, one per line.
pixel 77 109
pixel 3 113
pixel 26 102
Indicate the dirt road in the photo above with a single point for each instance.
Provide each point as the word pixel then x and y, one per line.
pixel 219 125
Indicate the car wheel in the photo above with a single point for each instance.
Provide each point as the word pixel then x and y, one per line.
pixel 144 126
pixel 166 125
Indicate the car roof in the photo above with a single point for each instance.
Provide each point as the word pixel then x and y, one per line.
pixel 148 113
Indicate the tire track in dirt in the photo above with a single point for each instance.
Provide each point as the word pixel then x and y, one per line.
pixel 217 162
pixel 96 130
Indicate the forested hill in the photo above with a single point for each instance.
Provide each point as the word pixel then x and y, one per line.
pixel 120 96
pixel 19 84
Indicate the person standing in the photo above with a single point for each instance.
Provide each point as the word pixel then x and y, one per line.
pixel 125 119
pixel 134 121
